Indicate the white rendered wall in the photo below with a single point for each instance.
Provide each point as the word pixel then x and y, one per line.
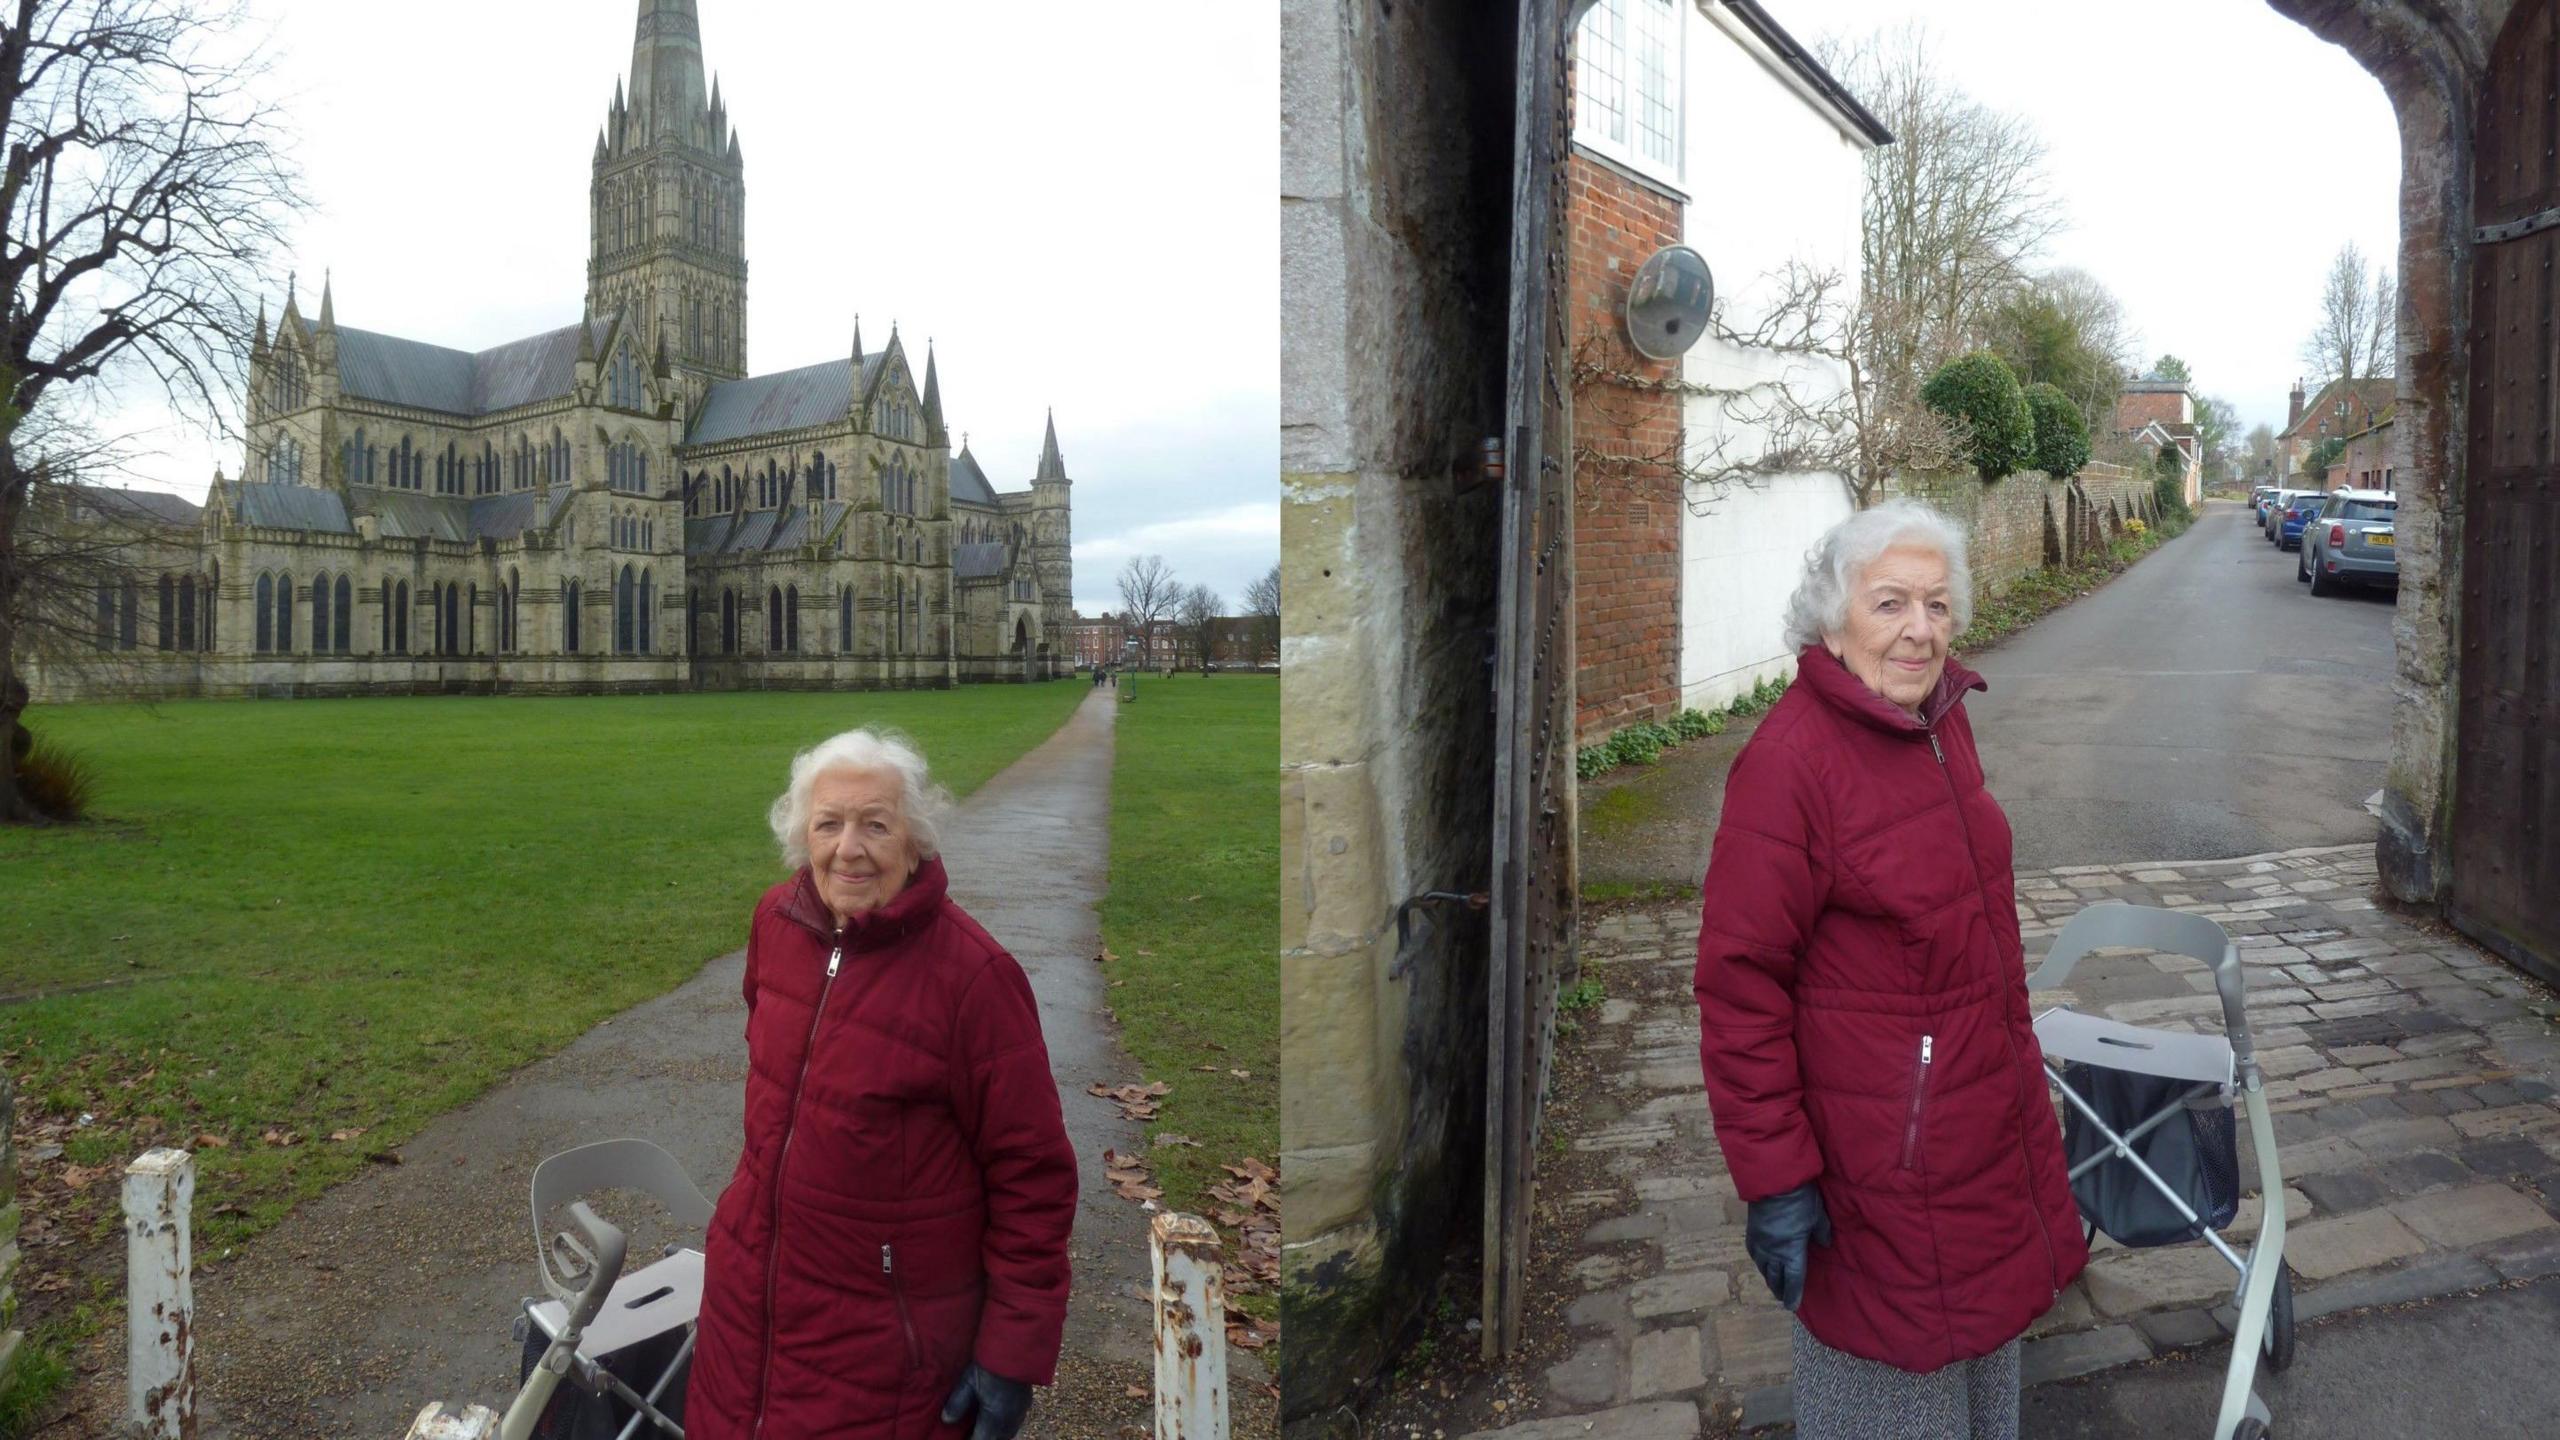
pixel 1771 179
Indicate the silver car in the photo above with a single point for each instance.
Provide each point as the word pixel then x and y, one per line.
pixel 2354 540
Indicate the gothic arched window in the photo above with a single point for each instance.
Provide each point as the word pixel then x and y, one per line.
pixel 569 618
pixel 729 622
pixel 624 603
pixel 266 617
pixel 791 619
pixel 320 611
pixel 345 607
pixel 400 624
pixel 773 620
pixel 844 619
pixel 284 614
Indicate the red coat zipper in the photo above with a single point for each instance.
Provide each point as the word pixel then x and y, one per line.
pixel 790 1124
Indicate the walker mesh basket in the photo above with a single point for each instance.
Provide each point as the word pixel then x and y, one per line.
pixel 577 1414
pixel 2197 1153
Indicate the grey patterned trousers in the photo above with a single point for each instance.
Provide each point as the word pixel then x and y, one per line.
pixel 1843 1397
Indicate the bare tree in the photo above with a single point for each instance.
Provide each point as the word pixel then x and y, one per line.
pixel 145 188
pixel 1198 611
pixel 1148 594
pixel 1954 210
pixel 2260 454
pixel 1820 410
pixel 1262 602
pixel 2357 333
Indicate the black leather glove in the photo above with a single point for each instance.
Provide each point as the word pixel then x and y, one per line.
pixel 1776 1234
pixel 1001 1404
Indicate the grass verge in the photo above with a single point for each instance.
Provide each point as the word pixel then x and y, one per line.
pixel 1192 925
pixel 297 922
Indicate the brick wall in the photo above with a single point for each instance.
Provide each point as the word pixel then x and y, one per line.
pixel 2137 408
pixel 2030 520
pixel 1627 504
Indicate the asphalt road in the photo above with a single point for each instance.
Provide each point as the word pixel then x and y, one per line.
pixel 2203 705
pixel 2478 1367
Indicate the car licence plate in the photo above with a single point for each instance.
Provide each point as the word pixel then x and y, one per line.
pixel 2378 537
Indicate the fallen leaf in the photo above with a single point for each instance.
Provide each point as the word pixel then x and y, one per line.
pixel 384 1157
pixel 1241 1074
pixel 279 1136
pixel 77 1177
pixel 1169 1138
pixel 228 1208
pixel 1206 1069
pixel 346 1134
pixel 1136 1392
pixel 211 1141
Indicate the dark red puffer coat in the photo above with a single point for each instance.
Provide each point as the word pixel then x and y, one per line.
pixel 907 1187
pixel 1863 998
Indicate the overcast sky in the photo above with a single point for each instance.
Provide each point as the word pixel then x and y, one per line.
pixel 2211 156
pixel 1074 202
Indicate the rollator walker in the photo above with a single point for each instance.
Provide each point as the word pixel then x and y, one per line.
pixel 623 1342
pixel 2159 1105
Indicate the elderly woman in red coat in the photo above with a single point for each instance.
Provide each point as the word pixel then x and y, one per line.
pixel 890 1258
pixel 1876 1086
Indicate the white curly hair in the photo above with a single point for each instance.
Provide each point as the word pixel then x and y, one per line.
pixel 1820 605
pixel 920 802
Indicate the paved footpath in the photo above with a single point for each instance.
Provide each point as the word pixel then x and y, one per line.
pixel 398 1287
pixel 2412 1076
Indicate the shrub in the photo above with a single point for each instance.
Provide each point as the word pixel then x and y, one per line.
pixel 55 782
pixel 1980 392
pixel 2062 435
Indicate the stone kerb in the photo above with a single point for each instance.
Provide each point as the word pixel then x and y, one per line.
pixel 2412 1081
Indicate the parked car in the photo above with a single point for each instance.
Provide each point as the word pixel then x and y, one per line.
pixel 2353 541
pixel 2297 513
pixel 2258 497
pixel 2270 512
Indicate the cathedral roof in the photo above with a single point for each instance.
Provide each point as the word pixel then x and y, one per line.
pixel 969 483
pixel 408 516
pixel 290 507
pixel 375 366
pixel 819 394
pixel 977 561
pixel 147 507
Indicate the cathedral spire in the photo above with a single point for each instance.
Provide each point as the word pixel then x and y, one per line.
pixel 1052 465
pixel 857 344
pixel 258 340
pixel 328 306
pixel 667 93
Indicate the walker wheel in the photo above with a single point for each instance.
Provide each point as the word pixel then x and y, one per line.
pixel 2251 1430
pixel 2278 1345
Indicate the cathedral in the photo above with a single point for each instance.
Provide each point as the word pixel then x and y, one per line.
pixel 617 504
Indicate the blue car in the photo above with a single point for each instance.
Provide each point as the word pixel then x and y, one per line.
pixel 2297 515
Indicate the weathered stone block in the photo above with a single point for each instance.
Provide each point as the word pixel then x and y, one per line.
pixel 2459 1219
pixel 1665 1362
pixel 2346 1243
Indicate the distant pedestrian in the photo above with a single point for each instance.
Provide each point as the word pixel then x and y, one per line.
pixel 890 1258
pixel 1876 1085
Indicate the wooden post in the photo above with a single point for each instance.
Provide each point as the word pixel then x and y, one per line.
pixel 1191 1329
pixel 160 1375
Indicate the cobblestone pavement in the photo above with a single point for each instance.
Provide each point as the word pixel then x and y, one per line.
pixel 2411 1077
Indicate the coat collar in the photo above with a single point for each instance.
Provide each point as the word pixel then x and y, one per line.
pixel 1844 692
pixel 906 912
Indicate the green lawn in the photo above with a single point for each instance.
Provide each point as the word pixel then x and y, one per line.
pixel 1193 917
pixel 356 914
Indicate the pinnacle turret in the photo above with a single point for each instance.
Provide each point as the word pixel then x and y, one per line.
pixel 932 399
pixel 1053 466
pixel 328 306
pixel 857 345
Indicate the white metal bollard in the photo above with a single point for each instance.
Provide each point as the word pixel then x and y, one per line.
pixel 159 1303
pixel 1191 1329
pixel 470 1422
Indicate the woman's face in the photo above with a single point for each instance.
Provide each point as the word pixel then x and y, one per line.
pixel 1901 621
pixel 860 852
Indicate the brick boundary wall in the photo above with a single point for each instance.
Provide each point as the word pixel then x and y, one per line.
pixel 1628 507
pixel 2028 521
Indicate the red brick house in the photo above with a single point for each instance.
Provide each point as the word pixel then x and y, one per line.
pixel 2160 414
pixel 2342 408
